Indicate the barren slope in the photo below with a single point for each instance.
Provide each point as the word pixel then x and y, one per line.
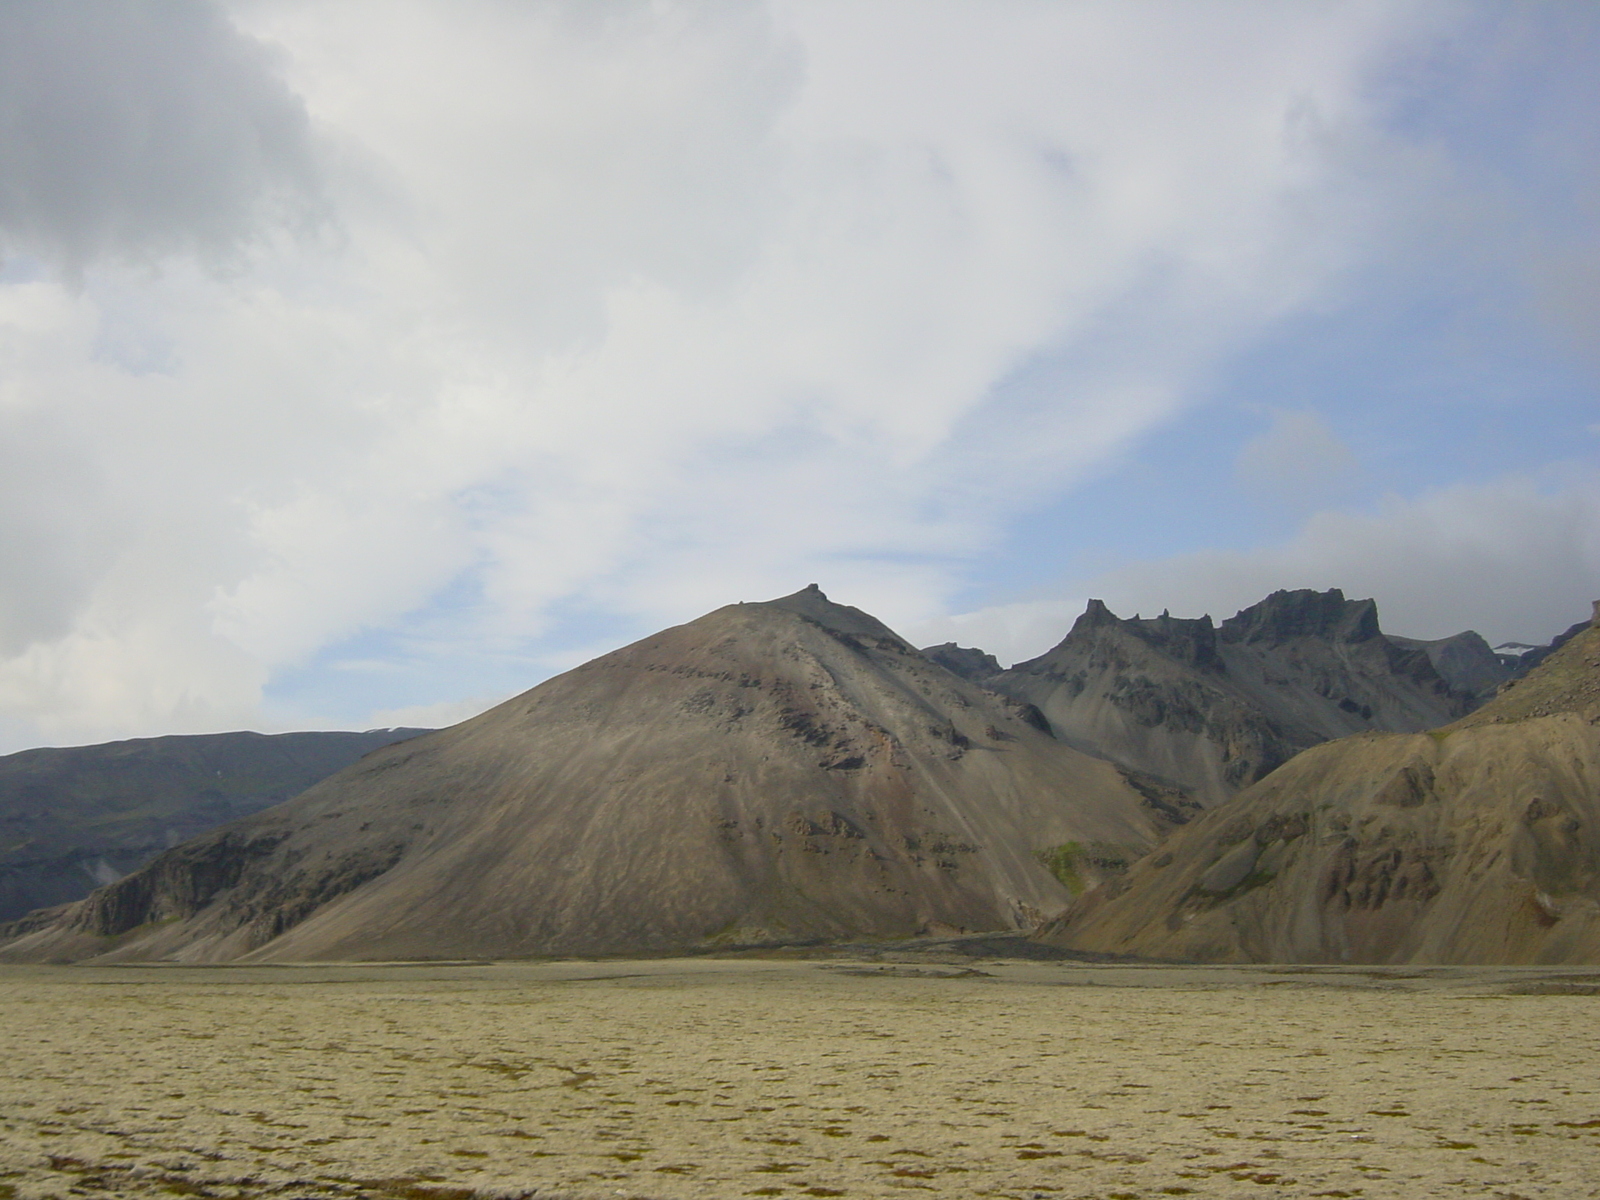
pixel 770 772
pixel 1476 843
pixel 1214 709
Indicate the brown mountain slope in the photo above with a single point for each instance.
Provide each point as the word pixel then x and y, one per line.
pixel 1213 709
pixel 770 772
pixel 1476 843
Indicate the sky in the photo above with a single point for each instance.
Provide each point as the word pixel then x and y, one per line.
pixel 365 362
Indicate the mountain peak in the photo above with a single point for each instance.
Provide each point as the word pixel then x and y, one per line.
pixel 1304 613
pixel 812 603
pixel 1213 709
pixel 1095 616
pixel 1188 640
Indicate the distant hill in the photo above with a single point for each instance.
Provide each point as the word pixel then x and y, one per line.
pixel 1212 709
pixel 1464 661
pixel 974 665
pixel 1478 842
pixel 780 772
pixel 72 819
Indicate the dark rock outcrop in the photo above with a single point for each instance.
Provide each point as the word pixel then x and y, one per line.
pixel 770 773
pixel 1212 709
pixel 965 661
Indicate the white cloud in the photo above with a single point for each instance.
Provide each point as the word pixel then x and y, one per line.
pixel 644 307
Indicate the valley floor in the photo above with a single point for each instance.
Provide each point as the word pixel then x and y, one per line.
pixel 796 1078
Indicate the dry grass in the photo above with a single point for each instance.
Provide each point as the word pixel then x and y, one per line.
pixel 796 1079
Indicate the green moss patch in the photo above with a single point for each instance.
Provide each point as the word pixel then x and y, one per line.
pixel 1077 864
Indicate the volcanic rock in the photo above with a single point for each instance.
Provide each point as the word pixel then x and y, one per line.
pixel 1527 657
pixel 1475 843
pixel 780 772
pixel 965 661
pixel 1464 661
pixel 72 819
pixel 1212 709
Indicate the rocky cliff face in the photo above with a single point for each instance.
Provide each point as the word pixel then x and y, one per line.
pixel 1214 708
pixel 76 818
pixel 965 661
pixel 1475 843
pixel 775 772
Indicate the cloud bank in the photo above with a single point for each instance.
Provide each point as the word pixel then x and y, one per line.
pixel 135 130
pixel 1511 559
pixel 364 356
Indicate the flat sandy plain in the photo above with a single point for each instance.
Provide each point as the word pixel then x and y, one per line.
pixel 795 1078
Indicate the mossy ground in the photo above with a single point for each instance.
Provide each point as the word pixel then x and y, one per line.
pixel 683 1079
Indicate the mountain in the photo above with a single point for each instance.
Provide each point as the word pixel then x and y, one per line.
pixel 777 772
pixel 1464 661
pixel 971 664
pixel 1475 843
pixel 1526 657
pixel 1212 709
pixel 72 819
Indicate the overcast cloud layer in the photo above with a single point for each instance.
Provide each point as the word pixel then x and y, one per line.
pixel 369 361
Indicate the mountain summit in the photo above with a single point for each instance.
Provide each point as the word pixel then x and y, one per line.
pixel 1214 708
pixel 773 772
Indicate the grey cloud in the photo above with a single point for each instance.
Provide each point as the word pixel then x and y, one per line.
pixel 56 533
pixel 137 129
pixel 1505 558
pixel 1297 461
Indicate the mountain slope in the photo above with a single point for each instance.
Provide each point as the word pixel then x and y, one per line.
pixel 1476 843
pixel 1464 661
pixel 770 772
pixel 1213 709
pixel 971 664
pixel 74 818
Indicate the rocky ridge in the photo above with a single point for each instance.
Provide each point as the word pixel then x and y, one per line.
pixel 1478 842
pixel 1214 708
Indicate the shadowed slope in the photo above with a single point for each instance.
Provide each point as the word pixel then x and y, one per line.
pixel 1214 709
pixel 771 772
pixel 74 818
pixel 1476 843
pixel 1464 661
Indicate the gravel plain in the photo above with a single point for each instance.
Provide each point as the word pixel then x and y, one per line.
pixel 798 1077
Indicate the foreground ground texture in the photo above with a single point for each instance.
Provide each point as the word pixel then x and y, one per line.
pixel 723 1078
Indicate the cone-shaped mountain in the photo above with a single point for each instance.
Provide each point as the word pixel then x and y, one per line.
pixel 1476 843
pixel 784 771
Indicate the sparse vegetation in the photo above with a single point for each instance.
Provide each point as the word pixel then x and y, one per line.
pixel 812 1082
pixel 1078 865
